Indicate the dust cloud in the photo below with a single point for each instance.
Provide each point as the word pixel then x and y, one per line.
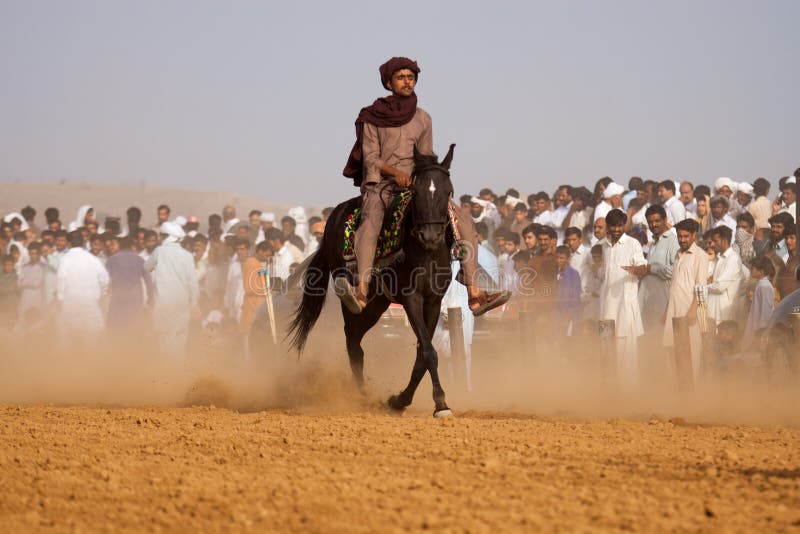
pixel 571 382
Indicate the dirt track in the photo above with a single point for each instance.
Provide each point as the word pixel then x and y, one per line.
pixel 206 468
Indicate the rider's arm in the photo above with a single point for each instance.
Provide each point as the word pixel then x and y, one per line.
pixel 371 151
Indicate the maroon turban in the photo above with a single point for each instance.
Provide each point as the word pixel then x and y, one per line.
pixel 388 112
pixel 395 64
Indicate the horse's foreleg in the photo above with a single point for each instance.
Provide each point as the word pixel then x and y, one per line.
pixel 401 401
pixel 423 320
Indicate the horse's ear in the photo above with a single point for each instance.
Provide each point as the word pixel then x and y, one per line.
pixel 448 159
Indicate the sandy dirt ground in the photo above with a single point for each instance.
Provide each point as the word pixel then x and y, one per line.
pixel 156 469
pixel 117 438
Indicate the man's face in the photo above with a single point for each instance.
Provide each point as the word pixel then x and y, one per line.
pixel 34 255
pixel 562 260
pixel 776 231
pixel 720 245
pixel 287 227
pixel 656 223
pixel 520 215
pixel 112 247
pixel 644 194
pixel 92 228
pixel 547 243
pixel 476 209
pixel 509 247
pixel 228 214
pixel 8 266
pixel 54 226
pixel 266 225
pixel 789 196
pixel 530 240
pixel 685 239
pixel 140 240
pixel 402 82
pixel 744 225
pixel 599 228
pixel 562 197
pixel 242 252
pixel 150 243
pixel 573 242
pixel 725 191
pixel 61 243
pixel 199 248
pixel 263 255
pixel 615 232
pixel 616 201
pixel 542 205
pixel 255 218
pixel 163 215
pixel 47 239
pixel 687 191
pixel 718 211
pixel 96 246
pixel 597 258
pixel 276 244
pixel 664 194
pixel 743 198
pixel 500 242
pixel 242 232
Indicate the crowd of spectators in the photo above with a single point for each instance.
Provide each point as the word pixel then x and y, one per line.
pixel 639 254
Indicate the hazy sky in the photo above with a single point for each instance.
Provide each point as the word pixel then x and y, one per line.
pixel 260 97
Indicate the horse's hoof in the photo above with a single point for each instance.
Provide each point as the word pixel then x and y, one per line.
pixel 441 414
pixel 396 403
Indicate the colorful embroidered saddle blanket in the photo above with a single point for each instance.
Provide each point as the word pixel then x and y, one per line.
pixel 390 239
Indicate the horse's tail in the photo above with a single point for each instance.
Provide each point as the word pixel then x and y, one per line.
pixel 315 289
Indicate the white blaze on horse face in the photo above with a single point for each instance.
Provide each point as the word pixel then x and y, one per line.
pixel 432 189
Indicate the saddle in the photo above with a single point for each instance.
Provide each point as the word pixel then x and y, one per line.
pixel 390 238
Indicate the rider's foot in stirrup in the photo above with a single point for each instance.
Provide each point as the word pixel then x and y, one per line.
pixel 481 302
pixel 353 300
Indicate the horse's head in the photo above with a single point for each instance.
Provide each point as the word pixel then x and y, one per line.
pixel 432 192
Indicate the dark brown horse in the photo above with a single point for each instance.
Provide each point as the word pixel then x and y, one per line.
pixel 418 280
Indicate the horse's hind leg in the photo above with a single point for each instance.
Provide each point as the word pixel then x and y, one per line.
pixel 355 326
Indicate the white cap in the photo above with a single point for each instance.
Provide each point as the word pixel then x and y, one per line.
pixel 722 182
pixel 791 180
pixel 267 216
pixel 476 200
pixel 612 189
pixel 180 220
pixel 745 188
pixel 173 230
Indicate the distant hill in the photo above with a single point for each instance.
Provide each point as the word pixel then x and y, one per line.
pixel 116 199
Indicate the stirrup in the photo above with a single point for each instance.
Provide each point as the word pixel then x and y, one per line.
pixel 347 294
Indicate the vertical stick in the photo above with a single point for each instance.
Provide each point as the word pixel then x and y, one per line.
pixel 270 308
pixel 457 346
pixel 683 352
pixel 607 332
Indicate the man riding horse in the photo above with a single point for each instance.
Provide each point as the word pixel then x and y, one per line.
pixel 381 162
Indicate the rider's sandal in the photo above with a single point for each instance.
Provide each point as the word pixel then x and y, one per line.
pixel 347 294
pixel 488 302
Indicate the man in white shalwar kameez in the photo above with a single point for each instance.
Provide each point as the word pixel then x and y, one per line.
pixel 723 288
pixel 689 271
pixel 175 290
pixel 623 263
pixel 81 281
